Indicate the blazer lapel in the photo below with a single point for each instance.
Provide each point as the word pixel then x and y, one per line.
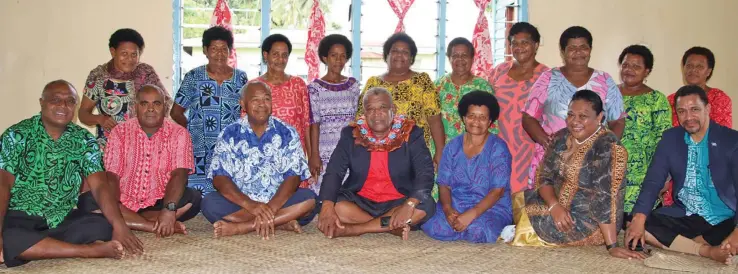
pixel 363 166
pixel 679 162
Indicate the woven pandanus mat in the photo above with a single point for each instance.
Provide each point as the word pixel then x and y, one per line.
pixel 310 252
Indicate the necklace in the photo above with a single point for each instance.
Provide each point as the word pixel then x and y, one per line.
pixel 590 136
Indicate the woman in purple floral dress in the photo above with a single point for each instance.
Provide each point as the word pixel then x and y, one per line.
pixel 333 103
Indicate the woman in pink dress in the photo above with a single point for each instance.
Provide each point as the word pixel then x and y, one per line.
pixel 546 109
pixel 290 101
pixel 512 81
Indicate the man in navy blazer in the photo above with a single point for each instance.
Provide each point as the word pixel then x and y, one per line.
pixel 702 158
pixel 390 174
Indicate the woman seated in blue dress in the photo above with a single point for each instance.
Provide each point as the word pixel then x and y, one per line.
pixel 473 178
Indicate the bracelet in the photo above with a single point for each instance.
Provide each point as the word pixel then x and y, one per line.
pixel 610 246
pixel 552 206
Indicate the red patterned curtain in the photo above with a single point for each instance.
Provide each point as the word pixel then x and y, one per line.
pixel 222 17
pixel 400 7
pixel 316 32
pixel 481 40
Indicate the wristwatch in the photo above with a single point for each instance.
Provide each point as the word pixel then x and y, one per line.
pixel 171 206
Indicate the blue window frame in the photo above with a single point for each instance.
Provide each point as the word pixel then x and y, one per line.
pixel 501 14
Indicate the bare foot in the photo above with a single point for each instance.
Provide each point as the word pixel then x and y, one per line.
pixel 347 231
pixel 112 249
pixel 403 232
pixel 182 210
pixel 720 255
pixel 180 228
pixel 291 226
pixel 223 229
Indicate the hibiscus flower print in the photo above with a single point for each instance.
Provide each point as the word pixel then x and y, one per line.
pixel 449 97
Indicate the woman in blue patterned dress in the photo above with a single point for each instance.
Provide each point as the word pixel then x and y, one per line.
pixel 333 102
pixel 210 93
pixel 473 178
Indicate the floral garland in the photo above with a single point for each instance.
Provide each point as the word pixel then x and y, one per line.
pixel 399 133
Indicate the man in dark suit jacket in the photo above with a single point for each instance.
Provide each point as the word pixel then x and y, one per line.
pixel 390 174
pixel 702 158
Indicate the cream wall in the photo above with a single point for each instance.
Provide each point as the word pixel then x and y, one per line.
pixel 667 27
pixel 44 40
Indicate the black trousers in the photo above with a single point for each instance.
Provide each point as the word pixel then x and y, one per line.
pixel 190 195
pixel 22 231
pixel 666 228
pixel 376 209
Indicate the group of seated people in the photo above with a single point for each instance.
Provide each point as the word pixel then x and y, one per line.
pixel 372 168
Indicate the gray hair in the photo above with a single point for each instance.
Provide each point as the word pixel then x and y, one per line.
pixel 247 85
pixel 376 91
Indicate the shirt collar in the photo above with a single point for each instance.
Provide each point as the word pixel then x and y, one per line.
pixel 163 130
pixel 39 124
pixel 245 124
pixel 703 142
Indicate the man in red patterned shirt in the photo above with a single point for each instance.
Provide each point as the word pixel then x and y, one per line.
pixel 149 158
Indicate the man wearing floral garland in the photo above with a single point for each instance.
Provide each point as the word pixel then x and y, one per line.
pixel 388 188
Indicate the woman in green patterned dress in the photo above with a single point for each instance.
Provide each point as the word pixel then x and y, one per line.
pixel 649 115
pixel 453 86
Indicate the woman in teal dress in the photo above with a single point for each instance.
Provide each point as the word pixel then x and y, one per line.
pixel 649 115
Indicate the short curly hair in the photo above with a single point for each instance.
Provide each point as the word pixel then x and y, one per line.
pixel 480 98
pixel 591 97
pixel 334 39
pixel 701 51
pixel 126 35
pixel 399 37
pixel 524 27
pixel 573 33
pixel 690 90
pixel 460 41
pixel 217 33
pixel 641 51
pixel 266 46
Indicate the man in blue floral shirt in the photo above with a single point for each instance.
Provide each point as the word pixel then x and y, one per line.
pixel 258 164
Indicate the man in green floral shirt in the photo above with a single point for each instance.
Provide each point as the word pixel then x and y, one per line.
pixel 43 161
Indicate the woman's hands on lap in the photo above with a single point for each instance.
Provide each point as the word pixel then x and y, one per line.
pixel 562 219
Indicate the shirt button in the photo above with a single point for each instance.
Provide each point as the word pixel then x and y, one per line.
pixel 147 155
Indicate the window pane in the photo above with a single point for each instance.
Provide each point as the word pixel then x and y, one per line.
pixel 246 21
pixel 291 18
pixel 461 18
pixel 504 15
pixel 421 23
pixel 379 22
